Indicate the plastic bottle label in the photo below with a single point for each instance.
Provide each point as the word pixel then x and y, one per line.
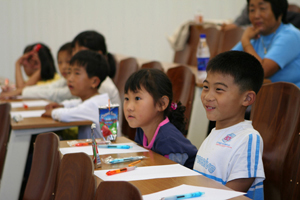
pixel 202 63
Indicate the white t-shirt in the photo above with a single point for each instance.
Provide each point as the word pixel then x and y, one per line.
pixel 58 91
pixel 233 153
pixel 76 110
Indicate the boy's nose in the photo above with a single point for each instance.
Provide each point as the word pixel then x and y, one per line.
pixel 208 96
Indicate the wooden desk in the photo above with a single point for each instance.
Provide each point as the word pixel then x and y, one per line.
pixel 156 185
pixel 18 147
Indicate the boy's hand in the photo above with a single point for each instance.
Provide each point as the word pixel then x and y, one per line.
pixel 49 109
pixel 53 106
pixel 47 113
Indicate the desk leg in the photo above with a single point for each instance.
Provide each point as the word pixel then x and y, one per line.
pixel 198 122
pixel 14 166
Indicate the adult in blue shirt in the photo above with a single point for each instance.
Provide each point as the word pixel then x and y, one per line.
pixel 274 43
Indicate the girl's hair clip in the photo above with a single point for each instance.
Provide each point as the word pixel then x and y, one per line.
pixel 173 106
pixel 37 47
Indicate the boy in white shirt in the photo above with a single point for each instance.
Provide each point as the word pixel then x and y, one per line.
pixel 86 72
pixel 232 153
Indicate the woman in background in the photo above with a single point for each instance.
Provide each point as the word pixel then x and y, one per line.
pixel 274 43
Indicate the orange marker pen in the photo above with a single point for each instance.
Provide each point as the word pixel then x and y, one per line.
pixel 117 171
pixel 134 163
pixel 82 144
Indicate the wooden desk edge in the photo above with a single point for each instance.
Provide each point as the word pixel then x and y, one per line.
pixel 43 122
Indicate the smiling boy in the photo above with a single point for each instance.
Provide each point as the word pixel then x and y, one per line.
pixel 232 153
pixel 86 72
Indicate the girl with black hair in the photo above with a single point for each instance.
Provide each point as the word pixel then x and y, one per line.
pixel 160 122
pixel 38 65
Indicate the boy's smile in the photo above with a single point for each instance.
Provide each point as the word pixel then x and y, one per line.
pixel 222 100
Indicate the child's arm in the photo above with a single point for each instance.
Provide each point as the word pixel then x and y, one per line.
pixel 11 94
pixel 242 184
pixel 49 108
pixel 36 76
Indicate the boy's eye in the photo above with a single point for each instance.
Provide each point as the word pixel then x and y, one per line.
pixel 126 99
pixel 219 89
pixel 205 87
pixel 137 98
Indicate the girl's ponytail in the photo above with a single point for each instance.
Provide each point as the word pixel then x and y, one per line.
pixel 177 118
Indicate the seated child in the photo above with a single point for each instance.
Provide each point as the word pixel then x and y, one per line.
pixel 86 72
pixel 95 41
pixel 38 65
pixel 160 123
pixel 232 152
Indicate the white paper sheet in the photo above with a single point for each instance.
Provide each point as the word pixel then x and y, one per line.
pixel 210 193
pixel 151 172
pixel 37 103
pixel 103 151
pixel 31 113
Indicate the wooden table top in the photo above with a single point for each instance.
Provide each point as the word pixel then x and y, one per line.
pixel 39 122
pixel 156 185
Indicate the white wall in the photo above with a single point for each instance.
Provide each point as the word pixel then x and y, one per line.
pixel 131 27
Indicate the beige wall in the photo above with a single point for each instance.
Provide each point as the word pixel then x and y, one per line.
pixel 131 27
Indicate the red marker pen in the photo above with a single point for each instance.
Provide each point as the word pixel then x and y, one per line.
pixel 25 105
pixel 82 144
pixel 117 171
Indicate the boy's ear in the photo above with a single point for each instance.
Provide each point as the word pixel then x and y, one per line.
pixel 100 52
pixel 249 98
pixel 163 103
pixel 95 81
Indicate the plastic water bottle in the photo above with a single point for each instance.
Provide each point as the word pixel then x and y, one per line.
pixel 202 57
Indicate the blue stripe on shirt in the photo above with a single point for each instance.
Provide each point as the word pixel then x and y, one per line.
pixel 249 155
pixel 256 154
pixel 212 177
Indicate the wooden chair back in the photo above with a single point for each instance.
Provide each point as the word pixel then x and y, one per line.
pixel 183 83
pixel 76 178
pixel 4 132
pixel 126 67
pixel 188 54
pixel 115 190
pixel 276 116
pixel 294 8
pixel 229 38
pixel 45 163
pixel 153 65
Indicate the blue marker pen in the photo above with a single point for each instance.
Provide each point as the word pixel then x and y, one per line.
pixel 115 146
pixel 184 196
pixel 120 160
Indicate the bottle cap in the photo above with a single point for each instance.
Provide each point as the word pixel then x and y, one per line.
pixel 202 35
